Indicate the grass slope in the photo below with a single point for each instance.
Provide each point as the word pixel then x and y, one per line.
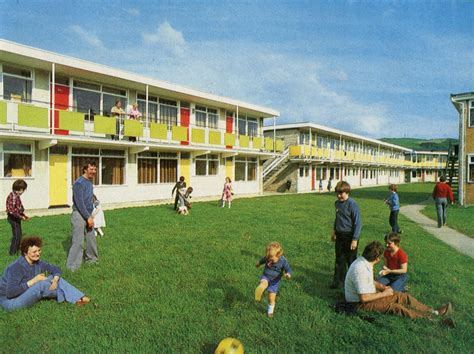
pixel 422 144
pixel 459 218
pixel 167 283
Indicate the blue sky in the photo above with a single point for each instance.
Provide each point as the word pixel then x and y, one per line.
pixel 376 68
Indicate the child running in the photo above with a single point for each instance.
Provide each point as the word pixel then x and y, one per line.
pixel 393 203
pixel 276 266
pixel 16 213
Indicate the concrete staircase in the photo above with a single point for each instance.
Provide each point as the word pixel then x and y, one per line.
pixel 272 169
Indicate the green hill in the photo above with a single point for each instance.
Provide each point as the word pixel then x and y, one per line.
pixel 422 144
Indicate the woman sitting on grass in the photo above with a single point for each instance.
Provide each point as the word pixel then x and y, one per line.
pixel 394 271
pixel 29 280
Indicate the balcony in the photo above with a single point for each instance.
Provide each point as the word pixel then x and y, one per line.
pixel 24 118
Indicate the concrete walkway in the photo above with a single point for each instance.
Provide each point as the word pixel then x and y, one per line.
pixel 454 238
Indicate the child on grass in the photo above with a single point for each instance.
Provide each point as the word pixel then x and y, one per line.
pixel 393 203
pixel 16 213
pixel 394 271
pixel 227 192
pixel 184 198
pixel 276 266
pixel 99 217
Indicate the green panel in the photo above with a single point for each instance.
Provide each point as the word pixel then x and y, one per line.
pixel 198 136
pixel 257 143
pixel 31 116
pixel 229 139
pixel 279 145
pixel 179 133
pixel 215 138
pixel 104 125
pixel 133 128
pixel 71 121
pixel 3 113
pixel 269 144
pixel 158 131
pixel 244 141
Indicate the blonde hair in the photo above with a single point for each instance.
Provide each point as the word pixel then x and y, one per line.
pixel 273 249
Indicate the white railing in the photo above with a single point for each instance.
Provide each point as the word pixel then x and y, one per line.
pixel 276 162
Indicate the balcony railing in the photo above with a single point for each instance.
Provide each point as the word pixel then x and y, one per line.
pixel 38 118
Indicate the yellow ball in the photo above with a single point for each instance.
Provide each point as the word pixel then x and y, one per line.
pixel 230 346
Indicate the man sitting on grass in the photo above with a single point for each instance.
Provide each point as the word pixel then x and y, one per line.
pixel 367 294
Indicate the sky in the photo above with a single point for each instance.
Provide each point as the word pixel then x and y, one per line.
pixel 376 68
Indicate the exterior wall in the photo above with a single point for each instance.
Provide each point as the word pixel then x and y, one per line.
pixel 468 149
pixel 289 173
pixel 290 136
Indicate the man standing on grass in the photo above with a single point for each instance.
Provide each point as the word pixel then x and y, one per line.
pixel 82 220
pixel 346 232
pixel 366 294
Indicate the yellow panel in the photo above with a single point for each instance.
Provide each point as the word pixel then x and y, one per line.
pixel 198 136
pixel 133 128
pixel 244 141
pixel 3 112
pixel 32 116
pixel 269 144
pixel 158 131
pixel 257 142
pixel 307 150
pixel 57 180
pixel 185 170
pixel 280 145
pixel 314 151
pixel 215 137
pixel 295 150
pixel 229 139
pixel 105 125
pixel 179 133
pixel 229 168
pixel 71 121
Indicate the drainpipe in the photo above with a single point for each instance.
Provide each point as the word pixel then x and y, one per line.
pixel 53 94
pixel 274 134
pixel 462 162
pixel 147 118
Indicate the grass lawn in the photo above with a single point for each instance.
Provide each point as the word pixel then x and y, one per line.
pixel 459 218
pixel 167 283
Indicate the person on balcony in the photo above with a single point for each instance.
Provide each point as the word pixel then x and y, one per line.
pixel 134 113
pixel 441 192
pixel 118 113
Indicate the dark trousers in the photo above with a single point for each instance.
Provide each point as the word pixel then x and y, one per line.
pixel 344 258
pixel 176 200
pixel 16 234
pixel 393 220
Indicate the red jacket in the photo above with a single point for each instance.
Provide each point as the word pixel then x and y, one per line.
pixel 443 190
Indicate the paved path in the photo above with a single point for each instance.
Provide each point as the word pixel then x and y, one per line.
pixel 454 238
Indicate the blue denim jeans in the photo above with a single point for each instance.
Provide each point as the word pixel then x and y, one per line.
pixel 396 281
pixel 39 291
pixel 441 206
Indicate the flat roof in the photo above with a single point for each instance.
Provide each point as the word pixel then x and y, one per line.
pixel 39 58
pixel 333 131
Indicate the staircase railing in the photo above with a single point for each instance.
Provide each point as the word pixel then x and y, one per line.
pixel 276 162
pixel 451 162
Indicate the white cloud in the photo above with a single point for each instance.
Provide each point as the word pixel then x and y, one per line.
pixel 132 12
pixel 168 38
pixel 87 37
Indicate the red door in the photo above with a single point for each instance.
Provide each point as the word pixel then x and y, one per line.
pixel 61 102
pixel 313 178
pixel 229 122
pixel 185 122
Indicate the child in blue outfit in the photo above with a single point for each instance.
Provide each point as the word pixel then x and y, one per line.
pixel 394 204
pixel 276 266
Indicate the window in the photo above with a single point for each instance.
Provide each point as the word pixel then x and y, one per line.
pixel 92 97
pixel 168 167
pixel 147 163
pixel 206 117
pixel 246 169
pixel 110 165
pixel 207 165
pixel 471 113
pixel 17 84
pixel 17 160
pixel 470 168
pixel 247 125
pixel 110 96
pixel 152 106
pixel 168 112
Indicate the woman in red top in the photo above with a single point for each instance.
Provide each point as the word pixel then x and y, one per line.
pixel 394 272
pixel 442 191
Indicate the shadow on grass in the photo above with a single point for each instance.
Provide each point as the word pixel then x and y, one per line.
pixel 228 295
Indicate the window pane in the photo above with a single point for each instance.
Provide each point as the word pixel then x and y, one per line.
pixel 109 102
pixel 212 120
pixel 78 162
pixel 147 171
pixel 200 119
pixel 213 167
pixel 112 170
pixel 471 116
pixel 242 127
pixel 251 171
pixel 16 71
pixel 85 100
pixel 85 151
pixel 105 152
pixel 240 171
pixel 21 88
pixel 16 147
pixel 168 171
pixel 86 85
pixel 168 115
pixel 252 128
pixel 201 167
pixel 17 165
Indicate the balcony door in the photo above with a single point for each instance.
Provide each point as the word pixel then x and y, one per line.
pixel 61 102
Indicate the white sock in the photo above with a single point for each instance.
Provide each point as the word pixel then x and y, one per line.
pixel 270 309
pixel 229 204
pixel 435 312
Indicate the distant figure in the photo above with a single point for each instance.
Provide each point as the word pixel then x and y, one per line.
pixel 320 185
pixel 118 113
pixel 15 214
pixel 227 192
pixel 178 185
pixel 442 191
pixel 393 203
pixel 329 184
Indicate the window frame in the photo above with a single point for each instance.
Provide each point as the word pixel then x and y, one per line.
pixel 31 79
pixel 469 166
pixel 208 158
pixel 2 159
pixel 470 114
pixel 246 161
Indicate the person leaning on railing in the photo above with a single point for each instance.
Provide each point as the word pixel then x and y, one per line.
pixel 117 112
pixel 133 113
